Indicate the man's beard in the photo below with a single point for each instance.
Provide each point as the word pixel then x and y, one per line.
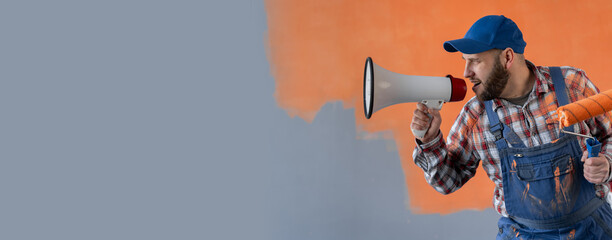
pixel 496 83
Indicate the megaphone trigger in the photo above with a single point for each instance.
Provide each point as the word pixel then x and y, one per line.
pixel 433 104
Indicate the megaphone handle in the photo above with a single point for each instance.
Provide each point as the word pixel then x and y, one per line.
pixel 431 104
pixel 593 147
pixel 419 133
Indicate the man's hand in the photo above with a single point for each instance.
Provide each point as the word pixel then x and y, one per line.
pixel 596 169
pixel 425 118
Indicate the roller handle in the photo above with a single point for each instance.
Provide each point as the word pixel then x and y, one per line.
pixel 593 147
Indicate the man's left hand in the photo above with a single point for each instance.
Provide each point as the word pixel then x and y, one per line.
pixel 596 169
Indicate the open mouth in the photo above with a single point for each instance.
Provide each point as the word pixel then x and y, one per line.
pixel 476 85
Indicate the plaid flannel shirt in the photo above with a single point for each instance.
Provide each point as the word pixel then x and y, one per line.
pixel 448 165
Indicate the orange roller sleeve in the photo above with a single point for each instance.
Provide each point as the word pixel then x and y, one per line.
pixel 584 109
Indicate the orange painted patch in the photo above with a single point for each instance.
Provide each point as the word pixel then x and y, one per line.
pixel 572 235
pixel 317 50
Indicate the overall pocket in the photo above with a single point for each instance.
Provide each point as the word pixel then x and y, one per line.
pixel 543 188
pixel 534 171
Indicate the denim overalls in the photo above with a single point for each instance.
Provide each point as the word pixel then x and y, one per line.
pixel 545 193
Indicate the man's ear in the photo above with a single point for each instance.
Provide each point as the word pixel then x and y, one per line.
pixel 507 58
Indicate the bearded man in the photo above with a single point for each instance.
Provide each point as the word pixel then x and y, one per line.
pixel 545 185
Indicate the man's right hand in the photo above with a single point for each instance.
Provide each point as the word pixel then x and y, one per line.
pixel 425 118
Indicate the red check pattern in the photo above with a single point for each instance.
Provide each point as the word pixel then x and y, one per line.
pixel 449 164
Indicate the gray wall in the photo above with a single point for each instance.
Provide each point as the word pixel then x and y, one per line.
pixel 143 119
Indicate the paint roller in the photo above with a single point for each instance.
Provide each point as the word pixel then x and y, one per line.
pixel 584 109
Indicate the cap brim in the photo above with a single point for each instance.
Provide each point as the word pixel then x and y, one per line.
pixel 467 46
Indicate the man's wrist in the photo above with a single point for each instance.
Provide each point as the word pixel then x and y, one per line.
pixel 431 143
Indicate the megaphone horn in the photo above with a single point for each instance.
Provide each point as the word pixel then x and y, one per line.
pixel 383 88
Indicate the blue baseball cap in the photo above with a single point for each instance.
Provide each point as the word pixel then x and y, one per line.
pixel 493 31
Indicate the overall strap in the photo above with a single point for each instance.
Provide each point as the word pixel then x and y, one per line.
pixel 560 88
pixel 503 134
pixel 559 84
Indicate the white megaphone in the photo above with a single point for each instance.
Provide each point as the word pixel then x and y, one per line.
pixel 383 88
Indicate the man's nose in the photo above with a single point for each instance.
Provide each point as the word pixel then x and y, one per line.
pixel 467 72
